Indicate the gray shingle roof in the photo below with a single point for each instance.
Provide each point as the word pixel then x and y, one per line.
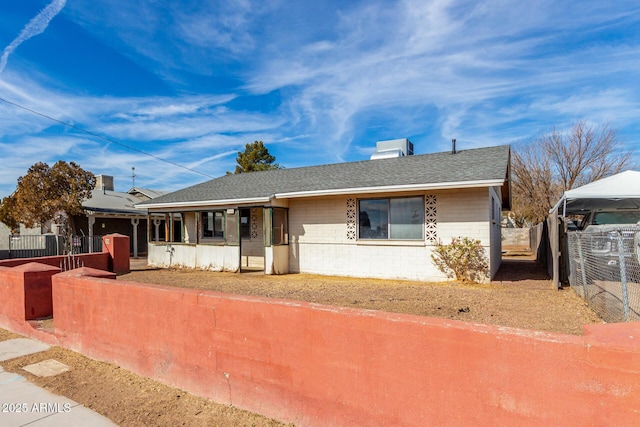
pixel 480 164
pixel 151 194
pixel 112 202
pixel 115 202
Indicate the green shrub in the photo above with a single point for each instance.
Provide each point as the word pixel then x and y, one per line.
pixel 464 259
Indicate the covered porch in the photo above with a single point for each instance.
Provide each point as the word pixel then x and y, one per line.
pixel 235 238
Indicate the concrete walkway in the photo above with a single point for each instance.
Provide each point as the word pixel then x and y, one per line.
pixel 25 404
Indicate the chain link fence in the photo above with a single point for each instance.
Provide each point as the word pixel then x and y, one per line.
pixel 605 271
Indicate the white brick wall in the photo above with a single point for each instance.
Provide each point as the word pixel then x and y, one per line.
pixel 171 255
pixel 217 257
pixel 464 213
pixel 496 232
pixel 319 244
pixel 318 220
pixel 207 257
pixel 393 262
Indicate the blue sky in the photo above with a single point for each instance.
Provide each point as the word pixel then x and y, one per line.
pixel 319 82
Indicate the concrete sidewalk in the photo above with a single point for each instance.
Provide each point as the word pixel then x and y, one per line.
pixel 23 403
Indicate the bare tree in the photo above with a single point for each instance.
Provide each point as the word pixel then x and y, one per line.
pixel 558 161
pixel 533 187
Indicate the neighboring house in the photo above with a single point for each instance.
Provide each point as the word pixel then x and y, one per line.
pixel 109 211
pixel 106 212
pixel 376 218
pixel 6 234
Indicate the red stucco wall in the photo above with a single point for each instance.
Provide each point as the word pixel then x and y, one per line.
pixel 98 260
pixel 26 291
pixel 318 365
pixel 115 257
pixel 117 245
pixel 25 284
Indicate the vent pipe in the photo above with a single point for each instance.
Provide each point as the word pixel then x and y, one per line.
pixel 453 146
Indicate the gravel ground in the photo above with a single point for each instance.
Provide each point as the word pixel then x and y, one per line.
pixel 520 296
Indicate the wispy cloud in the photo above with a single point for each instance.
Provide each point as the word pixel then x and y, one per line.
pixel 195 131
pixel 465 59
pixel 36 26
pixel 321 82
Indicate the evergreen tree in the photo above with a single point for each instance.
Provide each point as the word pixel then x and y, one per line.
pixel 255 157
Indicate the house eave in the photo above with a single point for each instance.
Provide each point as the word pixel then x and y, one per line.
pixel 203 203
pixel 391 188
pixel 329 192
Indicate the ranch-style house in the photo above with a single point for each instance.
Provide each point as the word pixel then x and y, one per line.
pixel 377 218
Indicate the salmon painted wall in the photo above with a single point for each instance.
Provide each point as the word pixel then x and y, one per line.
pixel 26 291
pixel 316 365
pixel 99 260
pixel 114 258
pixel 25 283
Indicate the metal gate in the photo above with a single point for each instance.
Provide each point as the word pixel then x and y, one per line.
pixel 34 246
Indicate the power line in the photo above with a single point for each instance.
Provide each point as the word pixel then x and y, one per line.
pixel 95 135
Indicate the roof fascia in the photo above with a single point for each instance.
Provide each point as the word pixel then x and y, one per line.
pixel 99 214
pixel 203 203
pixel 391 188
pixel 331 192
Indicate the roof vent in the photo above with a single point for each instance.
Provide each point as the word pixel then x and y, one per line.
pixel 453 146
pixel 392 148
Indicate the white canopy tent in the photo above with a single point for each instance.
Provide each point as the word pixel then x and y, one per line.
pixel 620 191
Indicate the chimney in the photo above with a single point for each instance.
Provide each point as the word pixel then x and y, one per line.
pixel 453 146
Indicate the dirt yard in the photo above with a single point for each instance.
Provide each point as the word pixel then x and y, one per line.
pixel 521 296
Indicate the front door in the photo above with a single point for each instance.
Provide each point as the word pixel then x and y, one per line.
pixel 251 239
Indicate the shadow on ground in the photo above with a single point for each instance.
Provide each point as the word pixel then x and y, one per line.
pixel 524 269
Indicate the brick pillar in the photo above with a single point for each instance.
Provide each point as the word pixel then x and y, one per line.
pixel 118 247
pixel 33 285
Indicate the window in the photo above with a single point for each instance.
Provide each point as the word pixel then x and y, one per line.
pixel 212 224
pixel 395 219
pixel 231 236
pixel 374 219
pixel 245 223
pixel 280 226
pixel 616 217
pixel 174 226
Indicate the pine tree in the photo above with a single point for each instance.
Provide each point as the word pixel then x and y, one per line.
pixel 255 157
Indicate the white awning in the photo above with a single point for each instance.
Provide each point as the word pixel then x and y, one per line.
pixel 620 191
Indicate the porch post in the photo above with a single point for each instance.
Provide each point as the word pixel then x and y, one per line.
pixel 135 222
pixel 156 226
pixel 92 220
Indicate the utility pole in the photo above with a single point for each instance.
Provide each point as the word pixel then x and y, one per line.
pixel 133 177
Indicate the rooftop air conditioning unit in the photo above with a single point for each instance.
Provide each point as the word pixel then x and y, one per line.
pixel 392 148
